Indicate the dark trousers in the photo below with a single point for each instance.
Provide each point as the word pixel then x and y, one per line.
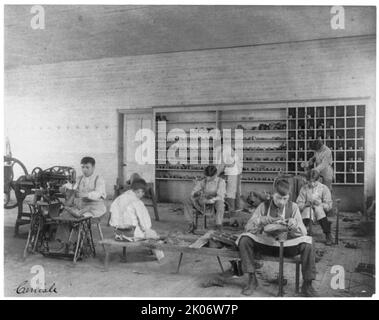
pixel 324 223
pixel 249 248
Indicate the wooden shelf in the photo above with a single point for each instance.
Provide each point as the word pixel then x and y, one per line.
pixel 326 115
pixel 253 120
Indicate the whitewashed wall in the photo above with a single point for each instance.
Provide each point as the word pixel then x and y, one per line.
pixel 57 113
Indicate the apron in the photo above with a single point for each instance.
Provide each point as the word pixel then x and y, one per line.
pixel 270 241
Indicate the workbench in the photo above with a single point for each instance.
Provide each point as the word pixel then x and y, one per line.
pixel 197 248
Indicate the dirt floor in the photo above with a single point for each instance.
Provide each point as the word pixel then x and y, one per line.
pixel 143 276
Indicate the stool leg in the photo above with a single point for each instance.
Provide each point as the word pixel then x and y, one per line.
pixel 92 244
pixel 100 234
pixel 281 262
pixel 205 221
pixel 78 241
pixel 100 231
pixel 180 261
pixel 297 279
pixel 219 262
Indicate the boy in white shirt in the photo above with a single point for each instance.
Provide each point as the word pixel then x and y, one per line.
pixel 129 215
pixel 314 200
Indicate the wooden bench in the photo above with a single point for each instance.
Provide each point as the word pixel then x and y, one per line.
pixel 226 253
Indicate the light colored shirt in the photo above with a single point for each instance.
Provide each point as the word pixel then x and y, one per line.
pixel 323 160
pixel 215 188
pixel 319 192
pixel 127 210
pixel 94 185
pixel 259 219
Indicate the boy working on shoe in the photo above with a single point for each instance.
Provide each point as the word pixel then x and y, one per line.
pixel 129 216
pixel 314 197
pixel 210 190
pixel 279 211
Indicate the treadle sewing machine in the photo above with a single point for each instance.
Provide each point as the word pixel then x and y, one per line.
pixel 45 215
pixel 45 206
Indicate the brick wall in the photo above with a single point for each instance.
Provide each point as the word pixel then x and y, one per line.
pixel 57 113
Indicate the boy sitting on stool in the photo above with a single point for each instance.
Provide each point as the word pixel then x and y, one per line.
pixel 275 211
pixel 316 196
pixel 210 190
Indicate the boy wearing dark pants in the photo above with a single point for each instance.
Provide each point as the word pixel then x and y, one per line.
pixel 314 200
pixel 277 210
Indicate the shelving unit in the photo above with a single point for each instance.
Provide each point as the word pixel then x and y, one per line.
pixel 342 128
pixel 274 140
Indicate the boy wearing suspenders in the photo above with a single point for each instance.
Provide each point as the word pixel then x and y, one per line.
pixel 279 208
pixel 90 191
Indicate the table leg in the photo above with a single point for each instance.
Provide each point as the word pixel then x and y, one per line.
pixel 123 257
pixel 219 262
pixel 180 261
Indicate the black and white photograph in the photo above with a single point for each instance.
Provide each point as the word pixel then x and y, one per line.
pixel 189 151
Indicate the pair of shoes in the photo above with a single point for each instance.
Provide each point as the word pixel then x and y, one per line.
pixel 329 239
pixel 307 289
pixel 251 286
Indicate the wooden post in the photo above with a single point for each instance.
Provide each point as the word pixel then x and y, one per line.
pixel 337 220
pixel 154 201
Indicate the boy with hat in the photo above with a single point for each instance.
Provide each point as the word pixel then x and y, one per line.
pixel 278 210
pixel 313 200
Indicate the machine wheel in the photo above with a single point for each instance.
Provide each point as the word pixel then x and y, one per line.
pixel 13 168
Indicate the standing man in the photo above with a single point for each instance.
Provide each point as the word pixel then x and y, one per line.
pixel 90 193
pixel 231 168
pixel 322 161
